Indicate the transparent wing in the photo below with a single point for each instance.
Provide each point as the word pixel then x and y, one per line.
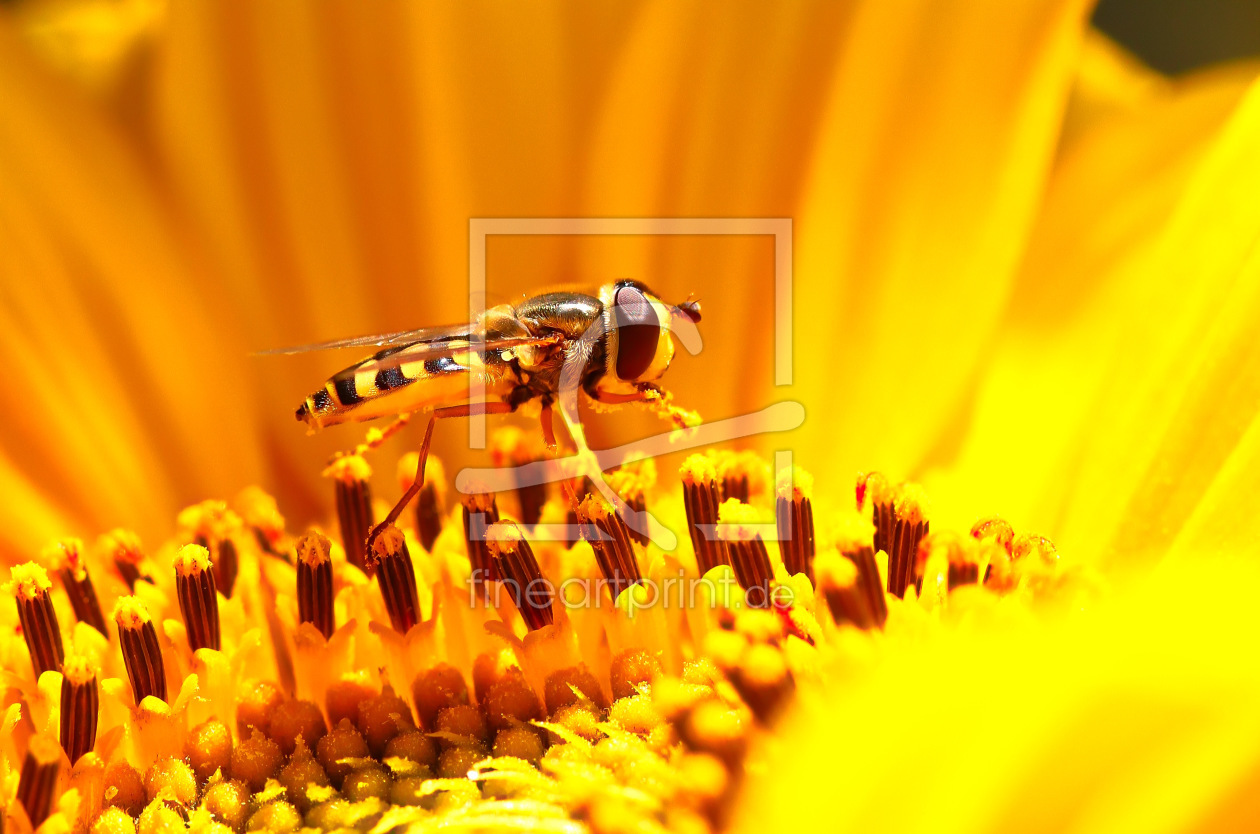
pixel 451 346
pixel 402 337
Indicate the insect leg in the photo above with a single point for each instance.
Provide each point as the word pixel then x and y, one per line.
pixel 548 428
pixel 654 398
pixel 646 393
pixel 375 437
pixel 466 410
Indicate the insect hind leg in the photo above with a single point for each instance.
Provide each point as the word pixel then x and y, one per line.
pixel 466 410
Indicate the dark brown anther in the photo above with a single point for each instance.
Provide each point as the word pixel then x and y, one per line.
pixel 480 511
pixel 123 547
pixel 737 525
pixel 795 516
pixel 948 554
pixel 899 525
pixel 700 499
pixel 30 587
pixel 520 574
pixel 735 488
pixel 732 479
pixel 226 566
pixel 764 681
pixel 431 502
pixel 80 706
pixel 964 566
pixel 315 582
pixel 743 476
pixel 512 447
pixel 259 512
pixel 198 600
pixel 610 539
pixel 873 488
pixel 396 576
pixel 573 487
pixel 37 786
pixel 350 476
pixel 632 482
pixel 842 586
pixel 66 557
pixel 910 528
pixel 856 548
pixel 140 650
pixel 213 526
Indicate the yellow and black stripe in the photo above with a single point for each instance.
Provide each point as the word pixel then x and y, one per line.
pixel 356 392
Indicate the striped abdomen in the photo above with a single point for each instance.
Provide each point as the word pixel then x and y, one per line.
pixel 367 390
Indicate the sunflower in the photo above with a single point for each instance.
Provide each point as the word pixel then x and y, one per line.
pixel 1025 277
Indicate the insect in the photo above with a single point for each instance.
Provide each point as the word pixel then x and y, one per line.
pixel 614 346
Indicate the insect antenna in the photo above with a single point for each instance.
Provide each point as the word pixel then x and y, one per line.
pixel 123 548
pixel 511 447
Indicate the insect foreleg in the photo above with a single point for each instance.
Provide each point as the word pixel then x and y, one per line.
pixel 654 398
pixel 466 410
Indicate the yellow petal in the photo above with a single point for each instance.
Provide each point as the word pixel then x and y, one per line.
pixel 1182 393
pixel 1121 719
pixel 1110 198
pixel 121 365
pixel 927 173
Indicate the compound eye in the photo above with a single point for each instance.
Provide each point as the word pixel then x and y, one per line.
pixel 638 331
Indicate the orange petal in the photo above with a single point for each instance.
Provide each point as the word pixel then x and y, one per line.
pixel 928 171
pixel 124 364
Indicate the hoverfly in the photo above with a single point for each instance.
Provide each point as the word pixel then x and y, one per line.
pixel 614 346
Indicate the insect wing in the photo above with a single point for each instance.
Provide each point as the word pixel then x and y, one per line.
pixel 446 346
pixel 402 337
